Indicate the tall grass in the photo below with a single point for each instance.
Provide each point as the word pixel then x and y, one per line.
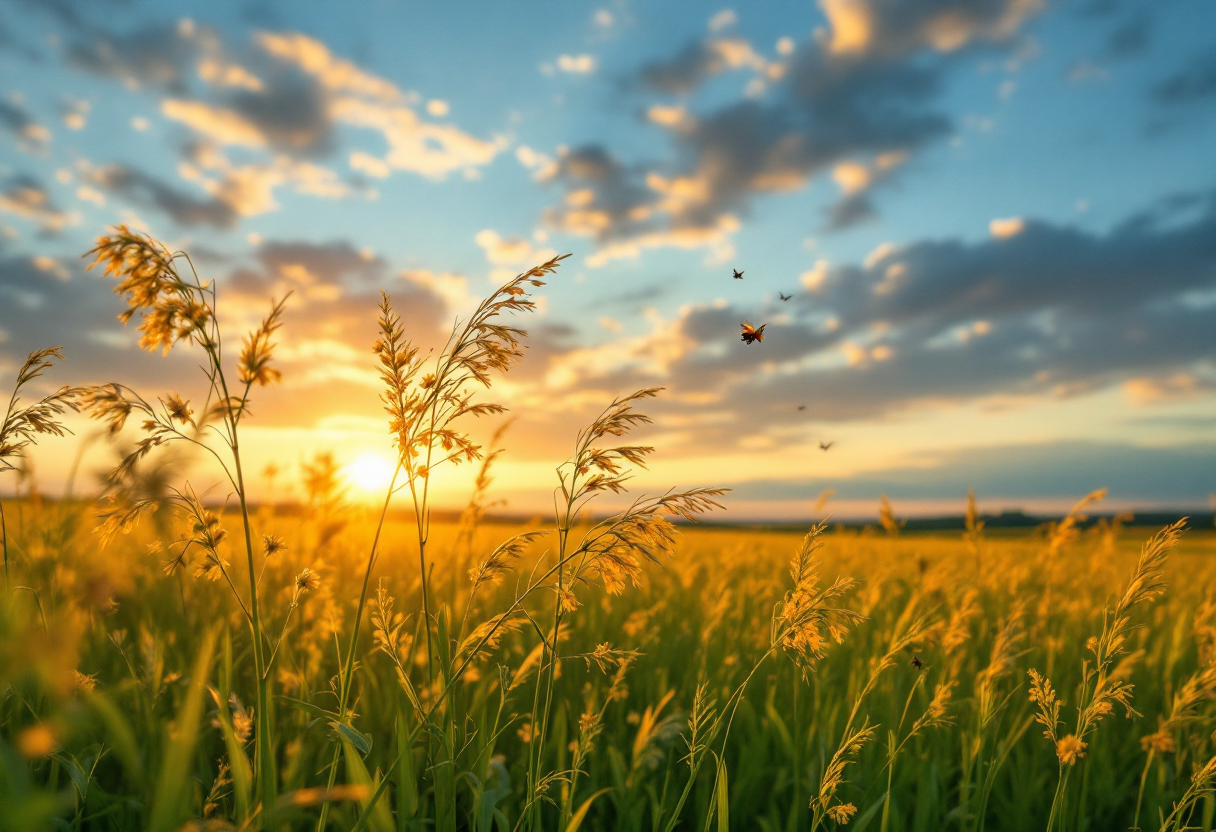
pixel 375 669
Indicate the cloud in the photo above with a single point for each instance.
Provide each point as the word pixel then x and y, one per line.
pixel 25 197
pixel 511 251
pixel 29 133
pixel 699 61
pixel 148 190
pixel 1196 81
pixel 223 126
pixel 856 101
pixel 324 347
pixel 1003 229
pixel 1051 311
pixel 881 28
pixel 723 20
pixel 156 55
pixel 75 113
pixel 286 94
pixel 576 64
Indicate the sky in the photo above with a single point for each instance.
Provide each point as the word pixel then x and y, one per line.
pixel 995 222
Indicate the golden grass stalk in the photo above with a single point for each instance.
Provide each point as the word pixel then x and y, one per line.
pixel 176 306
pixel 23 425
pixel 1102 682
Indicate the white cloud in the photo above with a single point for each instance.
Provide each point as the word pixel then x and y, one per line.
pixel 372 166
pixel 814 279
pixel 84 192
pixel 722 20
pixel 1003 229
pixel 432 150
pixel 336 74
pixel 543 166
pixel 222 73
pixel 224 126
pixel 667 115
pixel 511 251
pixel 576 64
pixel 651 354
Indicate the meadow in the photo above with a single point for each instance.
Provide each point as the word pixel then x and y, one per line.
pixel 170 661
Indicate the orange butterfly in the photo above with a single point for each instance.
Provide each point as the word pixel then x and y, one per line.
pixel 751 334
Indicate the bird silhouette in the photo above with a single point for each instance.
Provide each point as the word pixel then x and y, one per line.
pixel 801 407
pixel 784 297
pixel 738 274
pixel 823 446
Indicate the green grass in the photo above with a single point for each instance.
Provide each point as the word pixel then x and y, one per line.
pixel 142 749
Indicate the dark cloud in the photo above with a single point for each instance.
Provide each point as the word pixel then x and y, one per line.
pixel 17 121
pixel 64 305
pixel 335 262
pixel 685 71
pixel 851 210
pixel 1130 38
pixel 291 112
pixel 157 54
pixel 288 108
pixel 1050 310
pixel 148 190
pixel 618 194
pixel 867 94
pixel 1194 82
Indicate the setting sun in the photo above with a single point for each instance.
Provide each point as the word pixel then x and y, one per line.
pixel 369 473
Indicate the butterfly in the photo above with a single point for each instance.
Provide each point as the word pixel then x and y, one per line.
pixel 738 274
pixel 801 408
pixel 916 662
pixel 823 446
pixel 784 297
pixel 751 334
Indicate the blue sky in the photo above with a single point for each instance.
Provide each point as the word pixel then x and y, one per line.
pixel 997 220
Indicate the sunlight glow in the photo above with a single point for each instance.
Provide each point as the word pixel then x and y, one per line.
pixel 369 473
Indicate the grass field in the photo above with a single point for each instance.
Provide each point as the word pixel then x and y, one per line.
pixel 96 751
pixel 167 664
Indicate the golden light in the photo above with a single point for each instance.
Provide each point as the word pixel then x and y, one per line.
pixel 369 473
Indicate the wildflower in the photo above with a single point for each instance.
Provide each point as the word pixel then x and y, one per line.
pixel 1069 749
pixel 307 580
pixel 272 545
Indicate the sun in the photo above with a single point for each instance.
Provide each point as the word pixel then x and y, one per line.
pixel 369 472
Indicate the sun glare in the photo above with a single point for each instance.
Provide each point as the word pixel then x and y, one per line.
pixel 369 472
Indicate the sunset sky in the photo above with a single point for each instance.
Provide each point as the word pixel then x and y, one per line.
pixel 997 220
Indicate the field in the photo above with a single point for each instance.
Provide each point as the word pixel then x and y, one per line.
pixel 703 618
pixel 168 663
